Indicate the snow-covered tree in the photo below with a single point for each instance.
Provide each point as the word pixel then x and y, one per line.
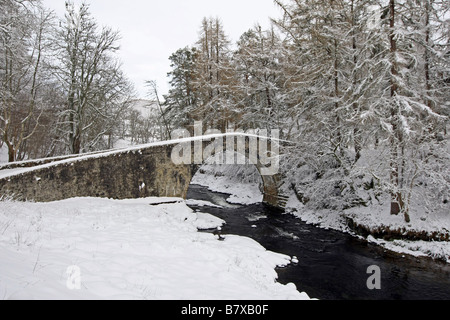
pixel 181 101
pixel 96 89
pixel 24 26
pixel 259 98
pixel 319 43
pixel 213 76
pixel 410 107
pixel 369 75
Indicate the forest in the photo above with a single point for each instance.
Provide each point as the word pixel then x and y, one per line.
pixel 359 87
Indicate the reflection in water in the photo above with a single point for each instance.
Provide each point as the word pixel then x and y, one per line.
pixel 331 264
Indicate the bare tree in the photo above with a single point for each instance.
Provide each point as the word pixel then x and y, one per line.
pixel 23 28
pixel 164 123
pixel 95 88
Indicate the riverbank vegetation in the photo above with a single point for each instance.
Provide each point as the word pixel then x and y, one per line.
pixel 360 88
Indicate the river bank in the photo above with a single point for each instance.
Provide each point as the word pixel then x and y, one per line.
pixel 328 264
pixel 425 236
pixel 419 238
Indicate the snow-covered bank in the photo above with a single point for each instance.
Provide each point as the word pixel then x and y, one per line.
pixel 355 197
pixel 243 186
pixel 88 248
pixel 375 217
pixel 241 182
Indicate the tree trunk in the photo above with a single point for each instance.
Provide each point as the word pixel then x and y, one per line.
pixel 427 54
pixel 397 204
pixel 76 145
pixel 11 152
pixel 357 130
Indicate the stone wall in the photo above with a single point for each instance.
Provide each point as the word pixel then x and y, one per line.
pixel 146 172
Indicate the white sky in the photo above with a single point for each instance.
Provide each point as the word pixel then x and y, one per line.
pixel 154 29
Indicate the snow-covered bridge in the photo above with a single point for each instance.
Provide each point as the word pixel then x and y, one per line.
pixel 162 169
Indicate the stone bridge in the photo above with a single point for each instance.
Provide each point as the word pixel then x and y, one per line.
pixel 163 169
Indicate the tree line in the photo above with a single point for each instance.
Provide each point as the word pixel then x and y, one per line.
pixel 360 86
pixel 62 89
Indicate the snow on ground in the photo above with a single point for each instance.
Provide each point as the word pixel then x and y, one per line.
pixel 201 203
pixel 88 248
pixel 326 219
pixel 376 216
pixel 241 182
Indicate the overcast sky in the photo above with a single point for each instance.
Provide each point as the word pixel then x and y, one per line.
pixel 153 29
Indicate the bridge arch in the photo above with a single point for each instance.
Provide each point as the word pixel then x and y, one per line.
pixel 143 171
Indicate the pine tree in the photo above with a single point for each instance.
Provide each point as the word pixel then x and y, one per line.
pixel 213 75
pixel 318 48
pixel 181 101
pixel 259 98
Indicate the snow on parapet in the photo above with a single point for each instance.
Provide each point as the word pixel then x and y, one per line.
pixel 7 173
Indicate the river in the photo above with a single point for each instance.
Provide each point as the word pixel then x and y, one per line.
pixel 331 265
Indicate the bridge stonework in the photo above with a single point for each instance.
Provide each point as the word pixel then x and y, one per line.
pixel 138 173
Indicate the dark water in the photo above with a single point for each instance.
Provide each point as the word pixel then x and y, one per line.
pixel 332 265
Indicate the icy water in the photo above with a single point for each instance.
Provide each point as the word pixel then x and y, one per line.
pixel 331 265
